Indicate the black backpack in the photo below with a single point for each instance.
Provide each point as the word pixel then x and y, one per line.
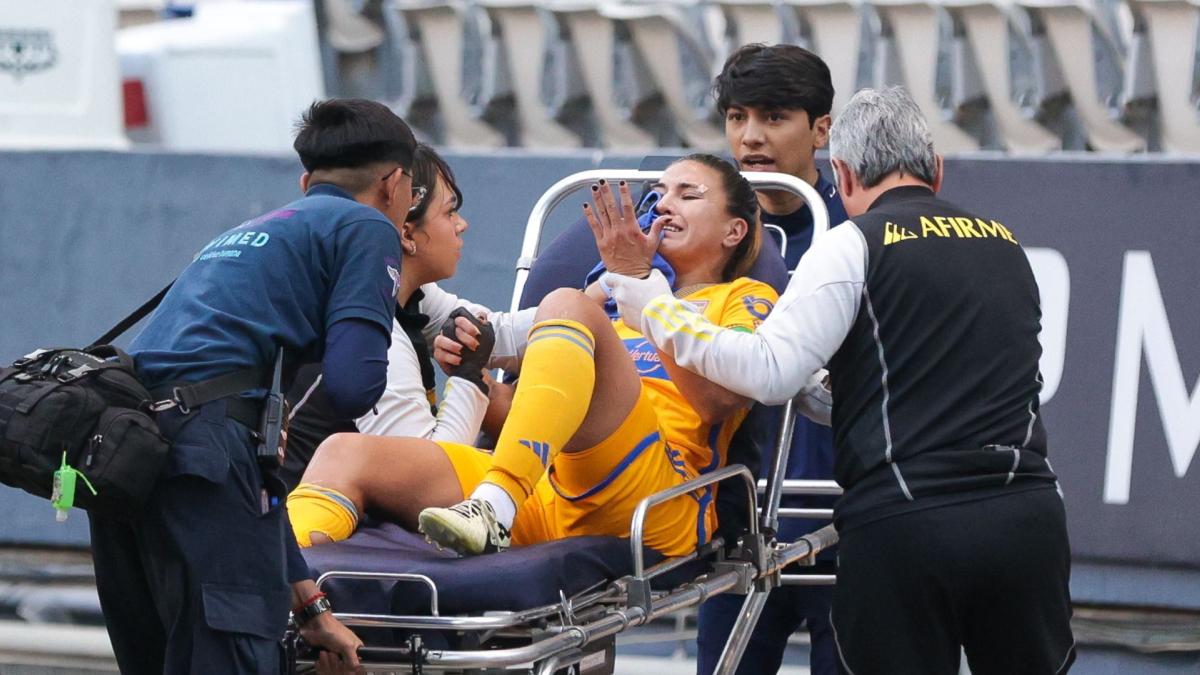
pixel 79 410
pixel 78 427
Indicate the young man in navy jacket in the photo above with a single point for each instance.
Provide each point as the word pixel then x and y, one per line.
pixel 776 102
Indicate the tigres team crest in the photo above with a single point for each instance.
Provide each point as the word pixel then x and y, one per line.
pixel 759 308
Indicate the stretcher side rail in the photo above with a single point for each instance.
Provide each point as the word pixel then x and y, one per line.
pixel 793 487
pixel 790 512
pixel 390 576
pixel 804 548
pixel 488 622
pixel 796 486
pixel 637 527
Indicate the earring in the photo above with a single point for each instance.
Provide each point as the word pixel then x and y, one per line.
pixel 412 248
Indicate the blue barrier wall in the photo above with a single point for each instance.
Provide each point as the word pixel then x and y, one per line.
pixel 85 237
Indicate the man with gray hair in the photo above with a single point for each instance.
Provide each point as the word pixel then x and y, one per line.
pixel 953 532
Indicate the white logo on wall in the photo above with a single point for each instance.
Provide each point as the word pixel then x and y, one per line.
pixel 1144 330
pixel 1054 288
pixel 23 52
pixel 1143 336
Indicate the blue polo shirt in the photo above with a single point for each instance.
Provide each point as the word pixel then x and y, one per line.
pixel 811 456
pixel 280 279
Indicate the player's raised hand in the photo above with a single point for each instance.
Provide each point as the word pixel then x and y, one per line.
pixel 624 247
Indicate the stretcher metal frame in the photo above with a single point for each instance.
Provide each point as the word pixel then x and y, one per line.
pixel 560 634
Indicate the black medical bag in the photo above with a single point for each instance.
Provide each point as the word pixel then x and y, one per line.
pixel 78 427
pixel 82 410
pixel 82 413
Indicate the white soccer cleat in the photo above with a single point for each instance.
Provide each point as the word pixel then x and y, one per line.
pixel 469 527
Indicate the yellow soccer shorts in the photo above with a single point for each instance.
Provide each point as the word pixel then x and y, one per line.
pixel 595 492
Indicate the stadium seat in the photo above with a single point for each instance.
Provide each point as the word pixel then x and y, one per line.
pixel 523 38
pixel 593 41
pixel 441 29
pixel 348 31
pixel 1138 76
pixel 402 65
pixel 915 37
pixel 1069 26
pixel 836 29
pixel 753 21
pixel 986 25
pixel 658 30
pixel 1172 29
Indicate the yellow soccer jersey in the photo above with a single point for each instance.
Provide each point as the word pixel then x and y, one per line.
pixel 741 304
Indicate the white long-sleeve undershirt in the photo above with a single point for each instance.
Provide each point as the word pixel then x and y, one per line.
pixel 403 409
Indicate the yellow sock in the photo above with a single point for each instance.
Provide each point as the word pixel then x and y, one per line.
pixel 316 509
pixel 558 375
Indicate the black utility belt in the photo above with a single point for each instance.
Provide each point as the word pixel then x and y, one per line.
pixel 244 410
pixel 255 416
pixel 267 419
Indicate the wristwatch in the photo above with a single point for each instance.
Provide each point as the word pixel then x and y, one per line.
pixel 313 609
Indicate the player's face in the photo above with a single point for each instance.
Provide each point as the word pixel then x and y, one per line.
pixel 778 139
pixel 698 225
pixel 438 236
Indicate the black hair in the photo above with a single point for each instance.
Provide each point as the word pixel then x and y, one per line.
pixel 427 165
pixel 350 133
pixel 740 202
pixel 775 77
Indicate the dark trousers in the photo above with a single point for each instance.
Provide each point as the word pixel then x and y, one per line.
pixel 990 576
pixel 197 583
pixel 786 609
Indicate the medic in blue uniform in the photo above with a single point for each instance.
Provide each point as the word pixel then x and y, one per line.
pixel 202 581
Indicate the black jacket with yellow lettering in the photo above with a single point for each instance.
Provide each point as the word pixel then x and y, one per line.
pixel 936 385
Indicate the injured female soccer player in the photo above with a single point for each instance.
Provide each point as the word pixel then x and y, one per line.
pixel 599 420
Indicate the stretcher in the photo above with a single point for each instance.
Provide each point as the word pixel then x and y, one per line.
pixel 556 607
